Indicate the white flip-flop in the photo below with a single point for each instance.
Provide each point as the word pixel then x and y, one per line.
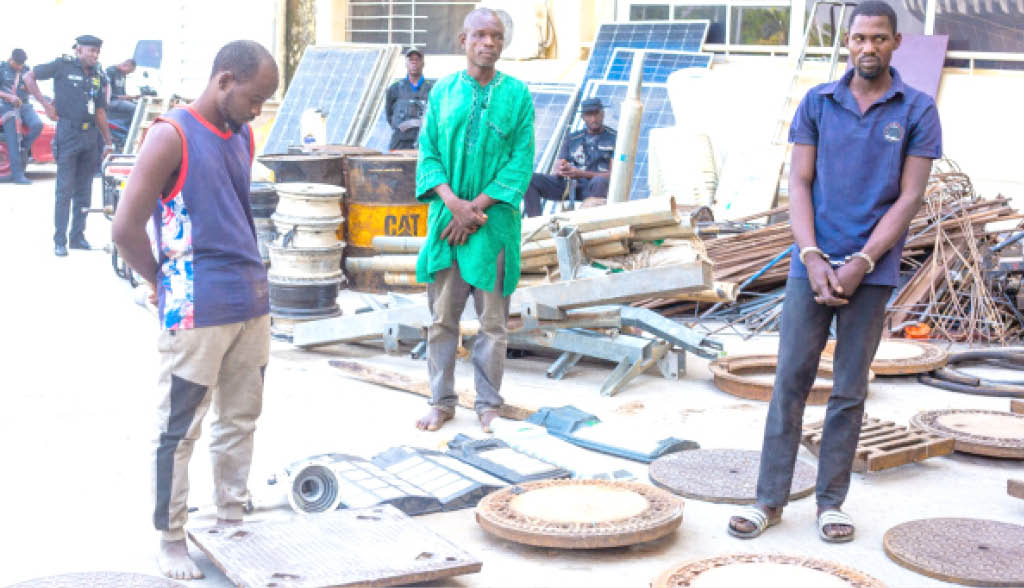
pixel 754 515
pixel 835 517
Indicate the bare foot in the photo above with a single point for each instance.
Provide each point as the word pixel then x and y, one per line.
pixel 175 563
pixel 835 531
pixel 774 513
pixel 434 419
pixel 485 420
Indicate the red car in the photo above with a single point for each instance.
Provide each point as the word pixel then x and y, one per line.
pixel 41 151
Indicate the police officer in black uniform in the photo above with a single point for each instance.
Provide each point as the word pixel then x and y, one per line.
pixel 119 102
pixel 586 157
pixel 406 103
pixel 80 101
pixel 14 104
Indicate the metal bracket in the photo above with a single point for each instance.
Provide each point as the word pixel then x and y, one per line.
pixel 395 334
pixel 534 312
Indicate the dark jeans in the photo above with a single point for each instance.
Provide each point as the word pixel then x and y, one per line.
pixel 551 187
pixel 35 126
pixel 805 328
pixel 76 153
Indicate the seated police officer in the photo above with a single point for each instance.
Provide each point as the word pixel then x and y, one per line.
pixel 406 102
pixel 120 104
pixel 14 105
pixel 79 107
pixel 586 157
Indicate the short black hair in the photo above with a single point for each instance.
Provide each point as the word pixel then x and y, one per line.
pixel 242 59
pixel 874 8
pixel 18 56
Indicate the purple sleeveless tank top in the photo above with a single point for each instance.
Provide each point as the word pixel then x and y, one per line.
pixel 210 268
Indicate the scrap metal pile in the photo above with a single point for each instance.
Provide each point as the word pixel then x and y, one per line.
pixel 960 275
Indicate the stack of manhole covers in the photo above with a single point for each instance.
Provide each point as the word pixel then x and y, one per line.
pixel 580 514
pixel 898 357
pixel 981 432
pixel 722 475
pixel 100 580
pixel 975 552
pixel 753 377
pixel 764 570
pixel 305 257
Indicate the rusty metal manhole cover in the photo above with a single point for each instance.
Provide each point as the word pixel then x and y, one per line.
pixel 100 580
pixel 722 475
pixel 580 514
pixel 896 357
pixel 753 377
pixel 377 546
pixel 966 551
pixel 982 432
pixel 765 570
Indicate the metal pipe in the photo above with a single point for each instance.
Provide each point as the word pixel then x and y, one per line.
pixel 632 112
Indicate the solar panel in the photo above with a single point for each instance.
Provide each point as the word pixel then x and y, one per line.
pixel 657 113
pixel 380 132
pixel 683 35
pixel 552 107
pixel 335 80
pixel 657 64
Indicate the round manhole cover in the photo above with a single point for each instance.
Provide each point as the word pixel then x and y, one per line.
pixel 580 514
pixel 900 357
pixel 977 552
pixel 100 580
pixel 722 475
pixel 983 432
pixel 764 570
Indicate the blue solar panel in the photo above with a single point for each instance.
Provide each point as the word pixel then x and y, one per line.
pixel 380 134
pixel 657 64
pixel 334 80
pixel 683 35
pixel 551 106
pixel 657 114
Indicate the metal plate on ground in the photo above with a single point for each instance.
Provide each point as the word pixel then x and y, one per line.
pixel 975 552
pixel 982 432
pixel 100 580
pixel 896 357
pixel 375 546
pixel 580 514
pixel 883 444
pixel 495 457
pixel 722 475
pixel 764 570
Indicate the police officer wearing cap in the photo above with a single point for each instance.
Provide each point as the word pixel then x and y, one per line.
pixel 586 157
pixel 79 107
pixel 406 103
pixel 14 105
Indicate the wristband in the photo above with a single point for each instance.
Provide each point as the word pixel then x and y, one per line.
pixel 806 250
pixel 866 258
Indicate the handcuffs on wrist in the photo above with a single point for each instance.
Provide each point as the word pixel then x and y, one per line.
pixel 837 262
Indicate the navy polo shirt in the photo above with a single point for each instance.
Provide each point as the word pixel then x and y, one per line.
pixel 859 164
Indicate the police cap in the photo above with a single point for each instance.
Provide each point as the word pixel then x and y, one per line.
pixel 413 51
pixel 88 41
pixel 591 105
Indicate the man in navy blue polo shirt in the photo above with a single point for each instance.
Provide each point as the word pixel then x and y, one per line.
pixel 862 153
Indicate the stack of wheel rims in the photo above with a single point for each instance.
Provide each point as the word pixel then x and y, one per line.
pixel 305 255
pixel 263 201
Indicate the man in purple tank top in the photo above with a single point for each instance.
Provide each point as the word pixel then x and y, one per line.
pixel 210 286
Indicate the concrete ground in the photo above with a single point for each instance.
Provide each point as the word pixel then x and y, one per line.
pixel 80 364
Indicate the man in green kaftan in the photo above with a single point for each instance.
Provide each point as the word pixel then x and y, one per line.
pixel 475 163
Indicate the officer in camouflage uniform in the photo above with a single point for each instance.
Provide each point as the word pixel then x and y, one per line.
pixel 586 157
pixel 406 103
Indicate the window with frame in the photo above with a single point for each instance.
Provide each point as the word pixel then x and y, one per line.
pixel 432 26
pixel 732 23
